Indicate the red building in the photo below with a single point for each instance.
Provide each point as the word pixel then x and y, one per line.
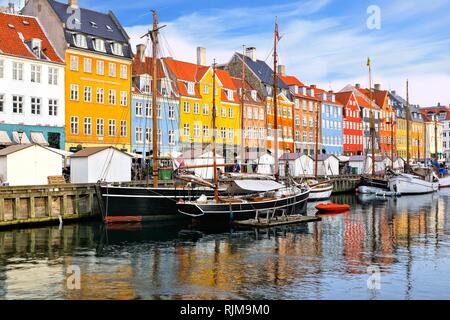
pixel 352 124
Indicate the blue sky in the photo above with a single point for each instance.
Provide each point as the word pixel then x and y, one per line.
pixel 325 42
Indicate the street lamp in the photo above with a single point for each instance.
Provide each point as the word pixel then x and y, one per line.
pixel 20 134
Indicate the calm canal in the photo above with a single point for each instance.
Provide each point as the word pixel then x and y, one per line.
pixel 407 240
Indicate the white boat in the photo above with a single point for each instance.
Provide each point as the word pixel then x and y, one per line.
pixel 410 184
pixel 377 191
pixel 444 182
pixel 320 191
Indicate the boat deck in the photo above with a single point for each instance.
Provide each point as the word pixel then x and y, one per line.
pixel 268 223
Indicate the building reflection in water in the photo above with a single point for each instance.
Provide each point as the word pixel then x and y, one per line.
pixel 296 262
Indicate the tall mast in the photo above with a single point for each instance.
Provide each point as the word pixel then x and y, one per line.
pixel 372 119
pixel 408 118
pixel 274 93
pixel 216 183
pixel 392 139
pixel 242 109
pixel 316 165
pixel 435 138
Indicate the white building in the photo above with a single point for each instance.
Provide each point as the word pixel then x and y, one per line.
pixel 31 84
pixel 328 165
pixel 299 164
pixel 28 164
pixel 94 164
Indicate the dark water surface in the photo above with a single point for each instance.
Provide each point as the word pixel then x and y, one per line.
pixel 406 239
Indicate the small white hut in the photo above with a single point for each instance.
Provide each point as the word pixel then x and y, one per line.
pixel 266 164
pixel 28 164
pixel 94 164
pixel 399 164
pixel 328 165
pixel 358 164
pixel 197 158
pixel 299 164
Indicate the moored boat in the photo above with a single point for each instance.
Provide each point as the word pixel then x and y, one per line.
pixel 444 182
pixel 320 191
pixel 411 184
pixel 332 207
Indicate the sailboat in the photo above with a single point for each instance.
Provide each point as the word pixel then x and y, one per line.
pixel 406 183
pixel 140 203
pixel 263 195
pixel 319 190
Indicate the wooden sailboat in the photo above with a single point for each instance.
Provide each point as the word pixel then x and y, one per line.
pixel 407 183
pixel 264 196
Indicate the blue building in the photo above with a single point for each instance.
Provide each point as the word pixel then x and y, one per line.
pixel 141 107
pixel 331 128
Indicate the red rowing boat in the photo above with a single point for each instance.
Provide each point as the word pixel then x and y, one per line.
pixel 333 207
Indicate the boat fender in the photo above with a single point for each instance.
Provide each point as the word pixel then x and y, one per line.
pixel 202 199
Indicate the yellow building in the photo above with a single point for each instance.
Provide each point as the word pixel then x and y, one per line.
pixel 195 85
pixel 98 72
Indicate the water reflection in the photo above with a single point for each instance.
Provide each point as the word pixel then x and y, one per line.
pixel 407 238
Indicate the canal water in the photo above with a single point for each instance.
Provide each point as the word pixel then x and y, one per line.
pixel 381 249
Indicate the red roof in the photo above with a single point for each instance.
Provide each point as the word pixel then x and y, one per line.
pixel 290 80
pixel 146 67
pixel 16 30
pixel 318 91
pixel 182 70
pixel 379 96
pixel 344 97
pixel 248 96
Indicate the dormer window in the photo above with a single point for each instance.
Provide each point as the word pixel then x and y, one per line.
pixel 93 24
pixel 230 94
pixel 190 88
pixel 80 40
pixel 36 46
pixel 254 95
pixel 109 28
pixel 311 92
pixel 99 45
pixel 117 48
pixel 304 91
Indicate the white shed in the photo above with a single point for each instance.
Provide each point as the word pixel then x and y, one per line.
pixel 359 165
pixel 28 164
pixel 328 165
pixel 205 159
pixel 299 164
pixel 94 164
pixel 266 164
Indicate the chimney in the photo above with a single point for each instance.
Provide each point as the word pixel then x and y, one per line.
pixel 73 3
pixel 140 52
pixel 251 53
pixel 377 86
pixel 394 92
pixel 201 56
pixel 282 69
pixel 439 104
pixel 358 86
pixel 313 86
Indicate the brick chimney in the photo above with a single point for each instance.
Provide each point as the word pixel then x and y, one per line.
pixel 282 70
pixel 377 86
pixel 73 3
pixel 358 86
pixel 201 56
pixel 140 52
pixel 313 86
pixel 251 53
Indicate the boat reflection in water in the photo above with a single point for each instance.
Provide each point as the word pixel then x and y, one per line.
pixel 407 238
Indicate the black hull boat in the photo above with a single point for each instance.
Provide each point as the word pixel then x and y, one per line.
pixel 292 201
pixel 127 204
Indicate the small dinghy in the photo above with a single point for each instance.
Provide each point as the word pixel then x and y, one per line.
pixel 332 207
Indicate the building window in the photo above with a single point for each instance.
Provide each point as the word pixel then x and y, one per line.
pixel 158 112
pixel 112 97
pixel 36 73
pixel 74 125
pixel 123 72
pixel 148 110
pixel 17 71
pixel 223 112
pixel 100 128
pixel 186 130
pixel 112 128
pixel 190 88
pixel 138 134
pixel 53 76
pixel 112 70
pixel 99 45
pixel 196 130
pixel 73 63
pixel 171 112
pixel 231 133
pixel 196 108
pixel 87 65
pixel 171 137
pixel 35 106
pixel 148 135
pixel 138 109
pixel 261 114
pixel 87 94
pixel 74 92
pixel 2 69
pixel 17 104
pixel 80 40
pixel 100 67
pixel 205 89
pixel 231 113
pixel 223 132
pixel 2 102
pixel 123 128
pixel 230 95
pixel 117 49
pixel 123 98
pixel 88 126
pixel 186 107
pixel 100 95
pixel 205 131
pixel 249 113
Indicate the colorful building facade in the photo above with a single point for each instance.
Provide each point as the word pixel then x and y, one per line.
pixel 352 124
pixel 31 84
pixel 331 122
pixel 97 75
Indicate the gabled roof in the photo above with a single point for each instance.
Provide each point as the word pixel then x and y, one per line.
pixel 93 23
pixel 291 80
pixel 362 99
pixel 185 71
pixel 318 91
pixel 248 89
pixel 86 152
pixel 146 67
pixel 344 97
pixel 16 32
pixel 293 156
pixel 262 70
pixel 379 96
pixel 18 147
pixel 323 157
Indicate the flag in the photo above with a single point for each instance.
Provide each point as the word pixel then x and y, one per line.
pixel 368 62
pixel 277 34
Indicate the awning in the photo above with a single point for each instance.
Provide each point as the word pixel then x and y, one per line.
pixel 38 137
pixel 4 139
pixel 24 139
pixel 257 185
